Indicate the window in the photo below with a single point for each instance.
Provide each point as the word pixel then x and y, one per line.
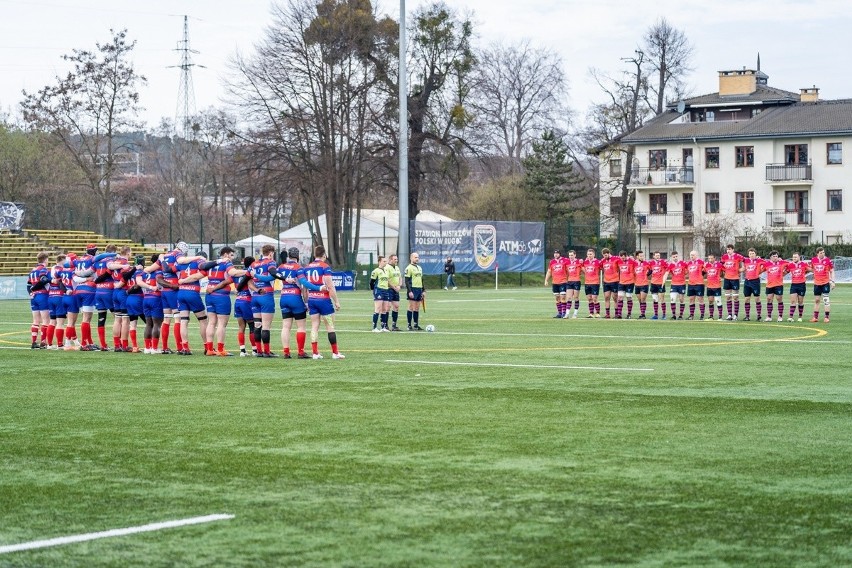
pixel 745 201
pixel 615 168
pixel 711 202
pixel 615 205
pixel 656 159
pixel 745 156
pixel 796 154
pixel 835 199
pixel 658 203
pixel 834 153
pixel 711 157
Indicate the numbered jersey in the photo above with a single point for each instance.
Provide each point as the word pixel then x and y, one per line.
pixel 290 270
pixel 314 273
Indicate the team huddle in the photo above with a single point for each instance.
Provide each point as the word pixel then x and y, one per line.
pixel 164 290
pixel 628 277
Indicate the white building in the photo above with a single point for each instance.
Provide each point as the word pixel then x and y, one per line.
pixel 751 159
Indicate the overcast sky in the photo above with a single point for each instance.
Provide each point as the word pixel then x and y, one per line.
pixel 801 43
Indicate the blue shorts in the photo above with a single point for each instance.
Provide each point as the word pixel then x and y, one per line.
pixel 321 306
pixel 776 290
pixel 119 300
pixel 379 295
pixel 642 289
pixel 731 284
pixel 714 292
pixel 291 304
pixel 242 310
pixel 416 295
pixel 695 290
pixel 610 287
pixel 573 285
pixel 152 307
pixel 86 299
pixel 190 301
pixel 560 288
pixel 626 288
pixel 72 304
pixel 394 295
pixel 169 298
pixel 658 288
pixel 679 289
pixel 798 289
pixel 219 304
pixel 56 307
pixel 39 303
pixel 751 288
pixel 592 289
pixel 263 304
pixel 103 301
pixel 134 305
pixel 822 289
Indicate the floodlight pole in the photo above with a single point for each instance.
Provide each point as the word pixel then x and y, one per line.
pixel 404 241
pixel 171 240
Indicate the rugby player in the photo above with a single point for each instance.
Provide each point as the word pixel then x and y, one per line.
pixel 626 283
pixel 242 311
pixel 323 303
pixel 641 271
pixel 221 274
pixel 55 301
pixel 775 269
pixel 189 300
pixel 84 281
pixel 695 285
pixel 70 303
pixel 104 286
pixel 592 282
pixel 556 270
pixel 262 273
pixel 573 273
pixel 713 270
pixel 293 303
pixel 609 265
pixel 659 267
pixel 798 270
pixel 152 306
pixel 677 269
pixel 121 270
pixel 167 264
pixel 823 270
pixel 752 268
pixel 732 267
pixel 135 303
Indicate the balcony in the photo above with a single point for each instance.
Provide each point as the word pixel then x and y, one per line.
pixel 662 176
pixel 783 220
pixel 792 174
pixel 671 221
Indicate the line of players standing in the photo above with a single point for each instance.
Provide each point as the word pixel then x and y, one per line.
pixel 168 288
pixel 625 277
pixel 386 284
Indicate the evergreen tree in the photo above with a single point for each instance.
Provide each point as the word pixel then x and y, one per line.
pixel 550 177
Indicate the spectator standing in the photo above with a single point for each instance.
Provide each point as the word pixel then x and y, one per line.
pixel 450 271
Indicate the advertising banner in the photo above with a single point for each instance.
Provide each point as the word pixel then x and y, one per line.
pixel 479 246
pixel 11 216
pixel 344 281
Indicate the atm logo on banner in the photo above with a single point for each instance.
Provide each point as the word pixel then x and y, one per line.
pixel 485 242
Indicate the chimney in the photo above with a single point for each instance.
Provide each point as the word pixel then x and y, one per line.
pixel 738 82
pixel 809 94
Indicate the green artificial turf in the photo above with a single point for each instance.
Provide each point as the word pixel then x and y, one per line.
pixel 726 444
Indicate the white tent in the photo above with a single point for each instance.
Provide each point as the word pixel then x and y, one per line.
pixel 390 217
pixel 252 245
pixel 374 238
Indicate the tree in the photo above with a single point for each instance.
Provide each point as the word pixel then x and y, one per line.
pixel 550 177
pixel 86 110
pixel 518 93
pixel 501 199
pixel 668 54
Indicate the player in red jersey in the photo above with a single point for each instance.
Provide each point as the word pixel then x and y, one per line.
pixel 626 283
pixel 775 269
pixel 752 268
pixel 713 272
pixel 695 286
pixel 609 266
pixel 659 268
pixel 641 271
pixel 322 303
pixel 556 270
pixel 798 270
pixel 677 269
pixel 823 270
pixel 293 303
pixel 732 267
pixel 120 266
pixel 55 297
pixel 592 282
pixel 242 311
pixel 573 271
pixel 221 274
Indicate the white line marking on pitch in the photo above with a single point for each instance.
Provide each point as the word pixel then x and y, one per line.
pixel 463 364
pixel 111 533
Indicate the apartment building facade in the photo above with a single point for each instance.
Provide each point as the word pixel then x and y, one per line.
pixel 749 160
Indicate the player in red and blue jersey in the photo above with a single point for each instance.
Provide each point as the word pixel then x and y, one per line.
pixel 220 276
pixel 135 302
pixel 121 271
pixel 167 263
pixel 104 286
pixel 292 303
pixel 189 300
pixel 71 302
pixel 262 273
pixel 55 295
pixel 322 303
pixel 152 306
pixel 37 287
pixel 84 278
pixel 242 311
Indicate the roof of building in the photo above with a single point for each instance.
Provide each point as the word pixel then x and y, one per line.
pixel 821 118
pixel 763 93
